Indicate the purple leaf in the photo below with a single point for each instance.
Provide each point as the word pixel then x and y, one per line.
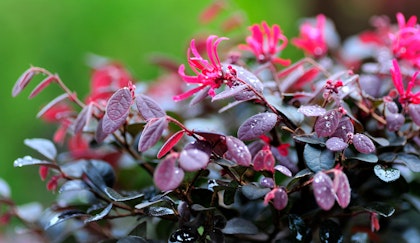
pixel 193 159
pixel 117 110
pixel 394 121
pixel 167 175
pixel 23 81
pixel 41 86
pixel 200 96
pixel 323 190
pixel 414 112
pixel 336 144
pixel 342 188
pixel 363 144
pixel 345 126
pixel 264 160
pixel 170 143
pixel 279 198
pixel 100 135
pixel 83 118
pixel 152 133
pixel 43 146
pixel 237 151
pixel 312 110
pixel 249 78
pixel 257 125
pixel 327 124
pixel 267 182
pixel 148 107
pixel 284 170
pixel 55 101
pixel 391 107
pixel 234 90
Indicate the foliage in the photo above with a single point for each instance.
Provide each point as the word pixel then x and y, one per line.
pixel 321 149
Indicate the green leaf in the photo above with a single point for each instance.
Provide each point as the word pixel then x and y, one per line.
pixel 318 159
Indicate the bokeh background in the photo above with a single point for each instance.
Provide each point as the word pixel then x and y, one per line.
pixel 60 34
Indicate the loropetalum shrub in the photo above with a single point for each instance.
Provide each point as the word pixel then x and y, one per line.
pixel 256 148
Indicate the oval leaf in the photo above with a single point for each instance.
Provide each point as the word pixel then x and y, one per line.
pixel 412 161
pixel 43 146
pixel 363 144
pixel 336 144
pixel 345 126
pixel 279 198
pixel 253 192
pixel 239 226
pixel 170 143
pixel 100 215
pixel 414 112
pixel 386 174
pixel 394 121
pixel 323 190
pixel 264 160
pixel 318 159
pixel 257 125
pixel 284 170
pixel 327 124
pixel 342 188
pixel 167 175
pixel 152 133
pixel 117 110
pixel 229 92
pixel 41 86
pixel 237 151
pixel 193 159
pixel 312 110
pixel 148 107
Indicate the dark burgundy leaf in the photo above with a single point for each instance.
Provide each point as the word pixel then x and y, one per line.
pixel 148 107
pixel 99 134
pixel 345 126
pixel 184 235
pixel 279 198
pixel 342 188
pixel 200 96
pixel 23 81
pixel 230 92
pixel 267 182
pixel 152 133
pixel 412 161
pixel 170 143
pixel 240 226
pixel 237 151
pixel 336 144
pixel 318 159
pixel 300 232
pixel 257 125
pixel 363 144
pixel 117 110
pixel 386 174
pixel 323 190
pixel 394 121
pixel 312 110
pixel 253 192
pixel 63 216
pixel 167 175
pixel 193 159
pixel 41 86
pixel 327 124
pixel 100 215
pixel 330 231
pixel 391 107
pixel 264 160
pixel 249 78
pixel 383 209
pixel 414 112
pixel 55 101
pixel 43 146
pixel 115 196
pixel 83 118
pixel 284 170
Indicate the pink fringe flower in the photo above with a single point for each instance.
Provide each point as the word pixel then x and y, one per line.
pixel 406 41
pixel 406 96
pixel 312 40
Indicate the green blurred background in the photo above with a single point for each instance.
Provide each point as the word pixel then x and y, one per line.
pixel 59 34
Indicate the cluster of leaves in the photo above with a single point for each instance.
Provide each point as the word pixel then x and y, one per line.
pixel 262 152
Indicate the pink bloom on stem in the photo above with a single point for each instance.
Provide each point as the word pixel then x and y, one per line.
pixel 209 72
pixel 266 43
pixel 406 41
pixel 406 96
pixel 312 40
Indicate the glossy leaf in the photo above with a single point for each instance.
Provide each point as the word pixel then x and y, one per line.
pixel 312 110
pixel 193 159
pixel 330 231
pixel 152 133
pixel 23 81
pixel 184 235
pixel 363 144
pixel 278 197
pixel 132 239
pixel 318 159
pixel 299 231
pixel 253 192
pixel 249 78
pixel 323 190
pixel 83 118
pixel 100 215
pixel 115 196
pixel 345 126
pixel 28 160
pixel 239 226
pixel 386 174
pixel 284 170
pixel 336 144
pixel 237 151
pixel 63 216
pixel 394 121
pixel 414 112
pixel 257 125
pixel 42 85
pixel 383 209
pixel 148 107
pixel 412 161
pixel 229 92
pixel 168 175
pixel 170 143
pixel 341 188
pixel 327 124
pixel 117 109
pixel 392 107
pixel 43 146
pixel 264 160
pixel 157 211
